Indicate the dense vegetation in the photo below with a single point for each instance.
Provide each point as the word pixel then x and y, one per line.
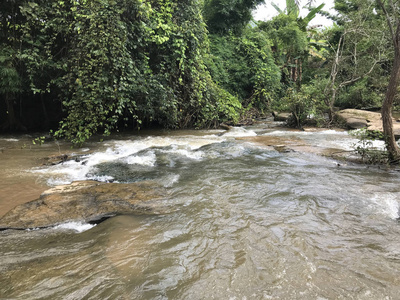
pixel 83 67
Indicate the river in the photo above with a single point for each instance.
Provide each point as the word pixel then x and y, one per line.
pixel 245 222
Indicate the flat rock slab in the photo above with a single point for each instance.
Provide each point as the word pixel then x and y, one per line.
pixel 86 201
pixel 356 119
pixel 281 117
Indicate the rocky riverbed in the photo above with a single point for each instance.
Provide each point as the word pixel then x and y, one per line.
pixel 91 200
pixel 85 201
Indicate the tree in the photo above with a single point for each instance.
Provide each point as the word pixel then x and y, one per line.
pixel 358 47
pixel 391 11
pixel 291 41
pixel 10 86
pixel 224 16
pixel 245 67
pixel 10 79
pixel 111 64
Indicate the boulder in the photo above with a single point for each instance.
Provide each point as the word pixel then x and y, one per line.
pixel 225 126
pixel 281 116
pixel 356 123
pixel 356 119
pixel 85 201
pixel 55 159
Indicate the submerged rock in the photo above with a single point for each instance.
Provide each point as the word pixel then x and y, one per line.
pixel 55 159
pixel 86 201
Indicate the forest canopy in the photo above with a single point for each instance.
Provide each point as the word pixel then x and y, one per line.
pixel 94 66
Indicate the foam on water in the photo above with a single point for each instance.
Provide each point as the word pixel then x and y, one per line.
pixel 305 133
pixel 285 133
pixel 328 138
pixel 169 181
pixel 386 204
pixel 126 151
pixel 239 132
pixel 75 226
pixel 185 151
pixel 145 160
pixel 145 151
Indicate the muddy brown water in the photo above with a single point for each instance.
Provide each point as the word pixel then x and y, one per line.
pixel 249 222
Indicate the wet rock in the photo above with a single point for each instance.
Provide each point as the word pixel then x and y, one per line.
pixel 225 126
pixel 55 159
pixel 85 201
pixel 282 149
pixel 295 144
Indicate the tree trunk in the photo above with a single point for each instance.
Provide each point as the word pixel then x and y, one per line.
pixel 330 103
pixel 300 71
pixel 11 120
pixel 45 114
pixel 12 123
pixel 391 145
pixel 387 121
pixel 294 71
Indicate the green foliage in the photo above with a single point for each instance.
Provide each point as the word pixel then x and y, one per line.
pixel 291 8
pixel 224 108
pixel 227 16
pixel 39 140
pixel 288 39
pixel 361 95
pixel 245 67
pixel 297 50
pixel 10 82
pixel 359 56
pixel 113 63
pixel 364 146
pixel 292 42
pixel 301 104
pixel 101 75
pixel 10 78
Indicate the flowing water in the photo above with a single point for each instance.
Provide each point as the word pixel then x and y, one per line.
pixel 246 221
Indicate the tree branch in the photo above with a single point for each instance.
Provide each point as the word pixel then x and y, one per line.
pixel 388 20
pixel 359 77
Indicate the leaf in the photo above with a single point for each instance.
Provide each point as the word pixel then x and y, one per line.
pixel 277 8
pixel 311 15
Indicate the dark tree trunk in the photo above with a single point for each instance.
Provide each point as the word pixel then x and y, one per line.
pixel 394 28
pixel 11 120
pixel 45 114
pixel 11 123
pixel 392 147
